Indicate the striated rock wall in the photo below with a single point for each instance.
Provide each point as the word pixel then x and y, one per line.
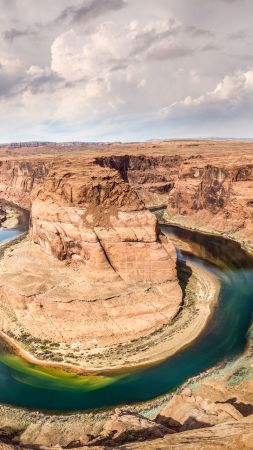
pixel 18 178
pixel 218 195
pixel 211 183
pixel 110 275
pixel 152 177
pixel 85 213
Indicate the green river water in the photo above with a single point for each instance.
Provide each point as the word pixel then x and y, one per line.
pixel 31 386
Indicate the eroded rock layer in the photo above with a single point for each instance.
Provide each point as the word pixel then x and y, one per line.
pixel 89 214
pixel 210 183
pixel 217 193
pixel 110 275
pixel 97 272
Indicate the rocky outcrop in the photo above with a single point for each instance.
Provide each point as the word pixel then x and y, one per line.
pixel 108 263
pixel 152 177
pixel 210 183
pixel 225 436
pixel 125 426
pixel 129 430
pixel 187 412
pixel 19 177
pixel 90 215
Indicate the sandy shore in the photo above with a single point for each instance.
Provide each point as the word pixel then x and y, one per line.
pixel 201 293
pixel 188 223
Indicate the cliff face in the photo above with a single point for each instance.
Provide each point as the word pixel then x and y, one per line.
pixel 209 183
pixel 18 178
pixel 152 177
pixel 218 195
pixel 90 214
pixel 110 275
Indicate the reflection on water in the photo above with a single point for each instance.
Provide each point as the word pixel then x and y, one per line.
pixel 217 249
pixel 225 337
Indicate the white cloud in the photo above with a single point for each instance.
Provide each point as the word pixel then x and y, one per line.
pixel 85 63
pixel 107 64
pixel 228 96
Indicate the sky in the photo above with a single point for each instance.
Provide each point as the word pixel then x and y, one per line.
pixel 125 70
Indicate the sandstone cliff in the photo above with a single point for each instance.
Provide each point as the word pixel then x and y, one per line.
pixel 218 194
pixel 209 183
pixel 97 271
pixel 18 178
pixel 116 278
pixel 89 214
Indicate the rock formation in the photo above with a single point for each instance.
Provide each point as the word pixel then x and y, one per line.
pixel 118 271
pixel 18 178
pixel 126 426
pixel 88 214
pixel 97 272
pixel 130 430
pixel 209 183
pixel 187 412
pixel 218 194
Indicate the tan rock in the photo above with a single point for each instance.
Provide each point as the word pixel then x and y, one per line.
pixel 187 412
pixel 125 426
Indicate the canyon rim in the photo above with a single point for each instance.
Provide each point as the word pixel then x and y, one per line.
pixel 126 225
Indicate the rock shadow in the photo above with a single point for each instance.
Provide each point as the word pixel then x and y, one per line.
pixel 191 423
pixel 246 409
pixel 184 274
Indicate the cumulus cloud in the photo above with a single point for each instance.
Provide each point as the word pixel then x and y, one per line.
pixel 132 68
pixel 106 51
pixel 233 92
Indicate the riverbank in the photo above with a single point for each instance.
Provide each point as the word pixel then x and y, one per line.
pixel 188 223
pixel 45 429
pixel 13 217
pixel 201 292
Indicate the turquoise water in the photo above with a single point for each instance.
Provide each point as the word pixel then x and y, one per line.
pixel 8 234
pixel 225 337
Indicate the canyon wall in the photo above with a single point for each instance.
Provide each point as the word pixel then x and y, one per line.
pixel 152 177
pixel 219 195
pixel 110 275
pixel 89 214
pixel 208 184
pixel 19 177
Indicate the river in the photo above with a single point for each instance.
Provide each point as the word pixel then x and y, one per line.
pixel 225 337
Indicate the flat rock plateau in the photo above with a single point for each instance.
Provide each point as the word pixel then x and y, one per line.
pixel 96 275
